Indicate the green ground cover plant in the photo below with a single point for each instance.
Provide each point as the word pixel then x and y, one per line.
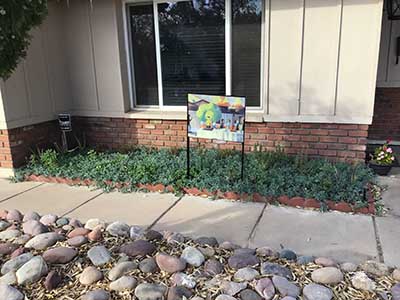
pixel 267 173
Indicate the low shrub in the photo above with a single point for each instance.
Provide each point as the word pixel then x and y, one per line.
pixel 267 173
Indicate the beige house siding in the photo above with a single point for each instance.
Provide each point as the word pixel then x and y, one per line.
pixel 320 64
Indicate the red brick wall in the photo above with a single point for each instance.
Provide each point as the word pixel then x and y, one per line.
pixel 336 141
pixel 17 144
pixel 386 120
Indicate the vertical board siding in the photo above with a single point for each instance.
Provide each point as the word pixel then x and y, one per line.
pixel 56 58
pixel 37 77
pixel 80 56
pixel 16 97
pixel 106 56
pixel 321 40
pixel 286 28
pixel 384 51
pixel 361 23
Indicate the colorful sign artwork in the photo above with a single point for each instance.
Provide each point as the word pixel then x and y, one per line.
pixel 216 117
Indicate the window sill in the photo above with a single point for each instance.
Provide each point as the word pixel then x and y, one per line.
pixel 179 115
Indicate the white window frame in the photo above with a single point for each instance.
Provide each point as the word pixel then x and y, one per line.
pixel 228 56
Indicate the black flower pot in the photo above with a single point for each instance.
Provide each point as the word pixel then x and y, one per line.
pixel 381 170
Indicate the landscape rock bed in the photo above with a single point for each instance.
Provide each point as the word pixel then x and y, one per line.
pixel 119 261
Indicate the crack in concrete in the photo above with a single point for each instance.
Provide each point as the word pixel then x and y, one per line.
pixel 164 213
pixel 82 204
pixel 20 193
pixel 379 248
pixel 253 230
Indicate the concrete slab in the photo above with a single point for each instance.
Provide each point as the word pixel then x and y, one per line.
pixel 343 237
pixel 224 220
pixel 389 232
pixel 50 198
pixel 8 188
pixel 391 196
pixel 133 208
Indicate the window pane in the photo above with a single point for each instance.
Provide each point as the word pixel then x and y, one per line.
pixel 192 42
pixel 246 50
pixel 144 54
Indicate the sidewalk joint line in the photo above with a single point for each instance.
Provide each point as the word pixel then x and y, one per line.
pixel 379 248
pixel 165 212
pixel 20 193
pixel 253 230
pixel 82 204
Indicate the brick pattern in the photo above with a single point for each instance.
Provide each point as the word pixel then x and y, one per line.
pixel 386 120
pixel 334 141
pixel 17 144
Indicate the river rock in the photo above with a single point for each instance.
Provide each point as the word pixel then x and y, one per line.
pixel 396 292
pixel 327 275
pixel 60 255
pixel 4 225
pixel 33 227
pixel 360 281
pixel 182 279
pixel 268 268
pixel 375 268
pixel 96 234
pixel 148 265
pixel 240 261
pixel 14 215
pixel 225 297
pixel 75 223
pixel 90 275
pixel 23 239
pixel 285 287
pixel 8 292
pixel 170 264
pixel 315 291
pixel 265 288
pixel 31 215
pixel 150 291
pixel 136 232
pixel 248 294
pixel 32 271
pixel 266 252
pixel 99 255
pixel 118 229
pixel 43 240
pixel 325 262
pixel 49 219
pixel 77 241
pixel 120 269
pixel 138 248
pixel 153 235
pixel 9 234
pixel 396 274
pixel 52 281
pixel 348 267
pixel 15 263
pixel 92 223
pixel 213 267
pixel 232 288
pixel 288 254
pixel 62 222
pixel 210 241
pixel 9 278
pixel 178 293
pixel 7 248
pixel 246 274
pixel 227 245
pixel 125 283
pixel 96 295
pixel 305 259
pixel 244 251
pixel 78 231
pixel 193 256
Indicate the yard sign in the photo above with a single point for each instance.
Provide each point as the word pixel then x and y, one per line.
pixel 216 118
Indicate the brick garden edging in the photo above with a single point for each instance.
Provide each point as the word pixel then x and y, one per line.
pixel 255 197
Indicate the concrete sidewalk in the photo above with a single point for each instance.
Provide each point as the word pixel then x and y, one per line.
pixel 341 236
